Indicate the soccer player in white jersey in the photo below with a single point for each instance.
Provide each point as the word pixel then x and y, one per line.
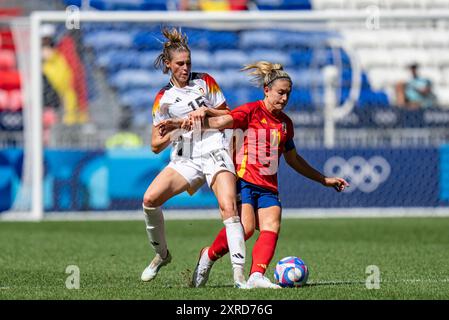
pixel 193 159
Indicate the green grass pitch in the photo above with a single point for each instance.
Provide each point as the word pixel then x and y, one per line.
pixel 411 253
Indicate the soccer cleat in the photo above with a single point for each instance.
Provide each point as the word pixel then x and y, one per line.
pixel 239 278
pixel 151 271
pixel 202 269
pixel 258 280
pixel 241 285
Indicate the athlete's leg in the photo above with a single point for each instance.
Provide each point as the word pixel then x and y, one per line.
pixel 224 187
pixel 269 224
pixel 167 184
pixel 219 247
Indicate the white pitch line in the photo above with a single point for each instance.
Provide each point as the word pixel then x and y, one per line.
pixel 336 282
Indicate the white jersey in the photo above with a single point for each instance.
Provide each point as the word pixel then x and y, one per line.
pixel 173 102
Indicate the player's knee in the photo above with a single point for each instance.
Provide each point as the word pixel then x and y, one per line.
pixel 273 226
pixel 228 209
pixel 150 200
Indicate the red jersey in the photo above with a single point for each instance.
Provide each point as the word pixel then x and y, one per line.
pixel 265 138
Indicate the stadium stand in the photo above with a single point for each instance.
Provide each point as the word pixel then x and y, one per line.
pixel 118 58
pixel 10 87
pixel 122 55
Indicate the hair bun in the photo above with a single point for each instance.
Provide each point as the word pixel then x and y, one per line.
pixel 277 66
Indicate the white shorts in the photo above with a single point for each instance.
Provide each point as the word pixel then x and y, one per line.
pixel 198 170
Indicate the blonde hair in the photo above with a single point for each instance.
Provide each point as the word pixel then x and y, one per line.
pixel 176 41
pixel 265 73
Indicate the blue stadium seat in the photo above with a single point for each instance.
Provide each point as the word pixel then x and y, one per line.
pixel 108 40
pixel 344 94
pixel 122 4
pixel 147 40
pixel 365 82
pixel 197 38
pixel 239 96
pixel 222 40
pixel 253 94
pixel 232 97
pixel 382 100
pixel 283 4
pixel 306 78
pixel 129 57
pixel 142 117
pixel 324 56
pixel 307 56
pixel 230 58
pixel 117 59
pixel 370 98
pixel 301 58
pixel 146 59
pixel 221 78
pixel 312 39
pixel 201 59
pixel 300 99
pixel 137 78
pixel 274 56
pixel 255 39
pixel 211 40
pixel 139 98
pixel 231 78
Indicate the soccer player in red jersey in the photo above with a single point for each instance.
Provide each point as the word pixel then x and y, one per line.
pixel 192 160
pixel 269 134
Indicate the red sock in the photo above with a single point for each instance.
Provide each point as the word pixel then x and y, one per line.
pixel 263 251
pixel 220 245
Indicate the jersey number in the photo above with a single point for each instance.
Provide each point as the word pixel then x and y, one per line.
pixel 197 103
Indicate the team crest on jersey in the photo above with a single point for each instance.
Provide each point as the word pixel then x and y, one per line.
pixel 284 127
pixel 202 91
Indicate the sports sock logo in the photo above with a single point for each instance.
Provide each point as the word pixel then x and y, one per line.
pixel 238 255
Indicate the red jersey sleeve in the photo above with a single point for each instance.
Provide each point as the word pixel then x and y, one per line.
pixel 241 117
pixel 290 129
pixel 289 143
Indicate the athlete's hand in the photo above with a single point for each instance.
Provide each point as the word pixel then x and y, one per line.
pixel 169 125
pixel 338 184
pixel 186 124
pixel 198 115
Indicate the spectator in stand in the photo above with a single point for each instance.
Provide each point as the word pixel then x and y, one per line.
pixel 416 93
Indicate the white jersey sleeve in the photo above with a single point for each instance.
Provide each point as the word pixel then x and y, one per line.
pixel 214 95
pixel 160 108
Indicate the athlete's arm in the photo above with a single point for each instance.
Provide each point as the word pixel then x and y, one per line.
pixel 167 126
pixel 203 112
pixel 221 122
pixel 238 118
pixel 158 142
pixel 301 166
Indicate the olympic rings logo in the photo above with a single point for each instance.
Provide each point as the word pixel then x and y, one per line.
pixel 365 175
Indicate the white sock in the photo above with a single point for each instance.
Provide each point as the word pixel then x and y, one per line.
pixel 236 244
pixel 154 221
pixel 204 260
